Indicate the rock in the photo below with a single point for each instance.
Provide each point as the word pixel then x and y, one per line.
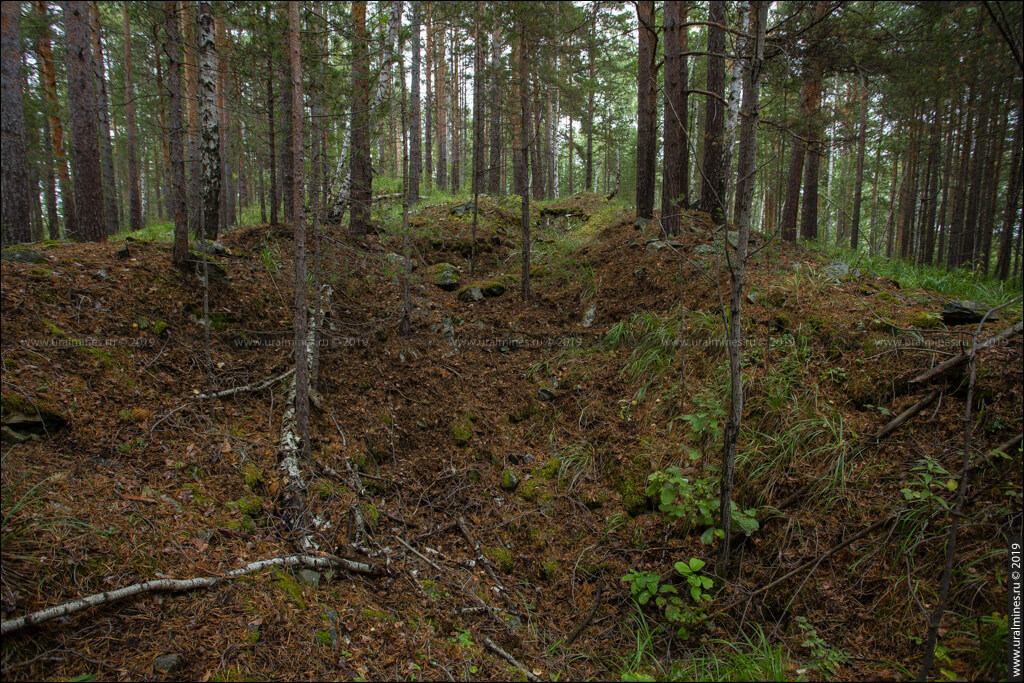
pixel 167 663
pixel 589 315
pixel 965 312
pixel 124 252
pixel 675 244
pixel 216 270
pixel 925 320
pixel 308 577
pixel 462 209
pixel 752 298
pixel 509 481
pixel 397 261
pixel 838 270
pixel 445 275
pixel 101 274
pixel 632 243
pixel 545 394
pixel 22 256
pixel 734 238
pixel 704 249
pixel 212 247
pixel 494 288
pixel 471 294
pixel 654 246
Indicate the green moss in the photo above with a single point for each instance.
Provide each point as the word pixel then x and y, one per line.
pixel 552 570
pixel 885 296
pixel 290 587
pixel 925 320
pixel 325 638
pixel 198 498
pixel 462 429
pixel 535 491
pixel 246 505
pixel 502 557
pixel 493 288
pixel 524 413
pixel 548 470
pixel 158 327
pixel 253 476
pixel 509 481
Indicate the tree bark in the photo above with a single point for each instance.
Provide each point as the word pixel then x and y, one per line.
pixel 1013 189
pixel 675 176
pixel 179 205
pixel 712 195
pixel 211 152
pixel 416 146
pixel 748 150
pixel 134 193
pixel 360 142
pixel 14 195
pixel 271 131
pixel 858 186
pixel 85 162
pixel 441 95
pixel 592 72
pixel 812 113
pixel 299 223
pixel 733 103
pixel 647 133
pixel 428 124
pixel 103 118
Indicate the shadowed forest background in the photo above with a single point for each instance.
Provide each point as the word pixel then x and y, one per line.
pixel 537 340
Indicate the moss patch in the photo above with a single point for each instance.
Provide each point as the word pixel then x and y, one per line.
pixel 462 429
pixel 290 587
pixel 502 557
pixel 926 321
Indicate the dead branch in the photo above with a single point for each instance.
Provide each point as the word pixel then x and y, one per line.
pixel 496 649
pixel 902 417
pixel 181 585
pixel 962 358
pixel 256 386
pixel 1010 444
pixel 483 561
pixel 583 624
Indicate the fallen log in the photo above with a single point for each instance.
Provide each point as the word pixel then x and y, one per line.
pixel 181 585
pixel 962 358
pixel 256 386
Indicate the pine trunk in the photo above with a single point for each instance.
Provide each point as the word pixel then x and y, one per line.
pixel 713 186
pixel 360 142
pixel 1012 197
pixel 211 152
pixel 86 166
pixel 134 193
pixel 179 205
pixel 858 186
pixel 14 196
pixel 647 134
pixel 415 144
pixel 676 158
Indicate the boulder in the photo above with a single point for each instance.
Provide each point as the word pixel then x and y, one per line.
pixel 22 256
pixel 704 249
pixel 589 315
pixel 837 270
pixel 445 275
pixel 471 294
pixel 654 246
pixel 397 262
pixel 965 312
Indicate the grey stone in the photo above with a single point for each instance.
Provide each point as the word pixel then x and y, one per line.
pixel 838 270
pixel 734 238
pixel 545 394
pixel 308 577
pixel 509 481
pixel 471 294
pixel 589 315
pixel 446 276
pixel 22 256
pixel 212 247
pixel 167 663
pixel 494 288
pixel 397 261
pixel 702 249
pixel 654 246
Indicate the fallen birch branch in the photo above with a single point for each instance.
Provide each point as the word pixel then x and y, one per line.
pixel 483 561
pixel 962 358
pixel 181 585
pixel 248 387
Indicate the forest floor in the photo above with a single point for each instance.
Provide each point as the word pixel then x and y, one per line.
pixel 535 430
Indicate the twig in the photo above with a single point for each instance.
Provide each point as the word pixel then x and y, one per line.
pixel 248 387
pixel 583 624
pixel 420 555
pixel 490 645
pixel 962 358
pixel 482 559
pixel 180 585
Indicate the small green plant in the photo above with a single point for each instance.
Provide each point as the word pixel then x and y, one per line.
pixel 270 255
pixel 696 503
pixel 828 658
pixel 463 638
pixel 683 614
pixel 932 477
pixel 706 419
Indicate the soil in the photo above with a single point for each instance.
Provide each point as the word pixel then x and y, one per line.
pixel 141 478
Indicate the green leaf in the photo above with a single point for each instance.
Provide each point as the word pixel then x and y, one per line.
pixel 708 536
pixel 695 592
pixel 696 564
pixel 682 568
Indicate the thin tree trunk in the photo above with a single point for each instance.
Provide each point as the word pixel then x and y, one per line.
pixel 271 131
pixel 1013 189
pixel 47 76
pixel 745 193
pixel 428 124
pixel 14 196
pixel 134 194
pixel 733 104
pixel 211 152
pixel 858 187
pixel 88 174
pixel 415 144
pixel 50 181
pixel 441 95
pixel 592 73
pixel 103 118
pixel 360 143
